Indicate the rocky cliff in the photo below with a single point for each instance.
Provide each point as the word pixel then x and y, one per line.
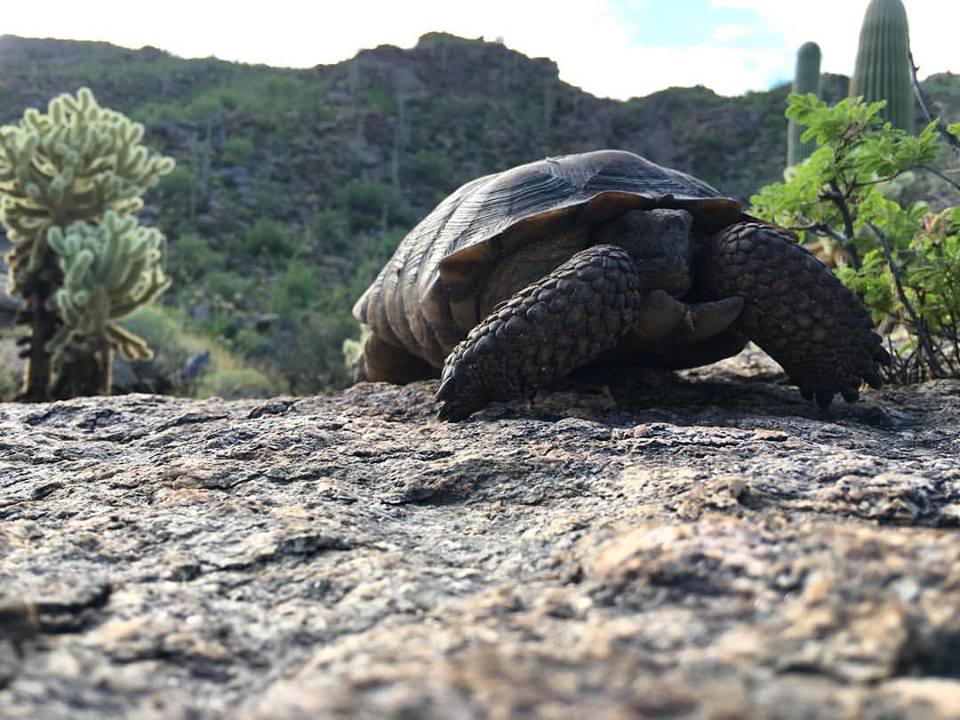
pixel 710 547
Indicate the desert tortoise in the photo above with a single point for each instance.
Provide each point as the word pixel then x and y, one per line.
pixel 520 277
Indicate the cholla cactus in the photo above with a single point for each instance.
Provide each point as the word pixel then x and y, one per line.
pixel 108 271
pixel 74 163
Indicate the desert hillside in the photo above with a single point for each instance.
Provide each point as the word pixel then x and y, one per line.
pixel 293 187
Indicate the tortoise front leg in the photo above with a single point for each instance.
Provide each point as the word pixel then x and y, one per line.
pixel 543 332
pixel 795 309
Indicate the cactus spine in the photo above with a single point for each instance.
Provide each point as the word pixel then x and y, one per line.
pixel 882 71
pixel 806 80
pixel 78 163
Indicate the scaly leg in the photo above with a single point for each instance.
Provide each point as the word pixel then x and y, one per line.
pixel 543 332
pixel 795 309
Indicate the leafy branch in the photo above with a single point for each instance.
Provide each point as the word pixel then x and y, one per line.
pixel 902 259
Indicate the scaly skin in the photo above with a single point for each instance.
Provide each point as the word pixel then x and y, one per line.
pixel 795 309
pixel 543 332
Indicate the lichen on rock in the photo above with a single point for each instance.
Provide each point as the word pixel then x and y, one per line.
pixel 712 547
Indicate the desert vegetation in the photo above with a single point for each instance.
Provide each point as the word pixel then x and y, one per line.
pixel 292 187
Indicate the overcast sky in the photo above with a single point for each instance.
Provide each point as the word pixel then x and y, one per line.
pixel 615 48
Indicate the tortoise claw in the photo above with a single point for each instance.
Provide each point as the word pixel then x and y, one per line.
pixel 447 386
pixel 460 394
pixel 873 379
pixel 824 398
pixel 850 395
pixel 449 412
pixel 882 356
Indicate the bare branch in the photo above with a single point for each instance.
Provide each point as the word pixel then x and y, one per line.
pixel 953 183
pixel 918 324
pixel 887 178
pixel 821 229
pixel 952 140
pixel 838 199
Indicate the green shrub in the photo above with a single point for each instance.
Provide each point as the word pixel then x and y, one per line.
pixel 372 205
pixel 190 257
pixel 156 112
pixel 427 167
pixel 181 183
pixel 251 343
pixel 283 88
pixel 297 289
pixel 241 97
pixel 903 260
pixel 266 239
pixel 229 285
pixel 315 361
pixel 9 387
pixel 331 231
pixel 238 151
pixel 163 330
pixel 203 107
pixel 173 347
pixel 236 383
pixel 227 374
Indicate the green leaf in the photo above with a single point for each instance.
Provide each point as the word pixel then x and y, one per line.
pixel 847 192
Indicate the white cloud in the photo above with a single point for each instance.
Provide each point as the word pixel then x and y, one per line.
pixel 835 26
pixel 634 71
pixel 590 41
pixel 730 31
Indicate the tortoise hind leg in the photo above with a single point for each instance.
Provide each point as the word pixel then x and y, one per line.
pixel 543 332
pixel 795 309
pixel 383 362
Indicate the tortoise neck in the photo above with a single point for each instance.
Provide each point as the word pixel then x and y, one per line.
pixel 528 263
pixel 660 240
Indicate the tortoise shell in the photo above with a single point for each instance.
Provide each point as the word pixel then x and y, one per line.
pixel 425 298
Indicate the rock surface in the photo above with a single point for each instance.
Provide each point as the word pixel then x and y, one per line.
pixel 709 548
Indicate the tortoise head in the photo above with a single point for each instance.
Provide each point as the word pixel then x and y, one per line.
pixel 660 240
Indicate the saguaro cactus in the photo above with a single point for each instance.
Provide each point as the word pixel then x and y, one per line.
pixel 882 71
pixel 72 164
pixel 806 79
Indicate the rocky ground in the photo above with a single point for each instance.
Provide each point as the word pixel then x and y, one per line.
pixel 711 548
